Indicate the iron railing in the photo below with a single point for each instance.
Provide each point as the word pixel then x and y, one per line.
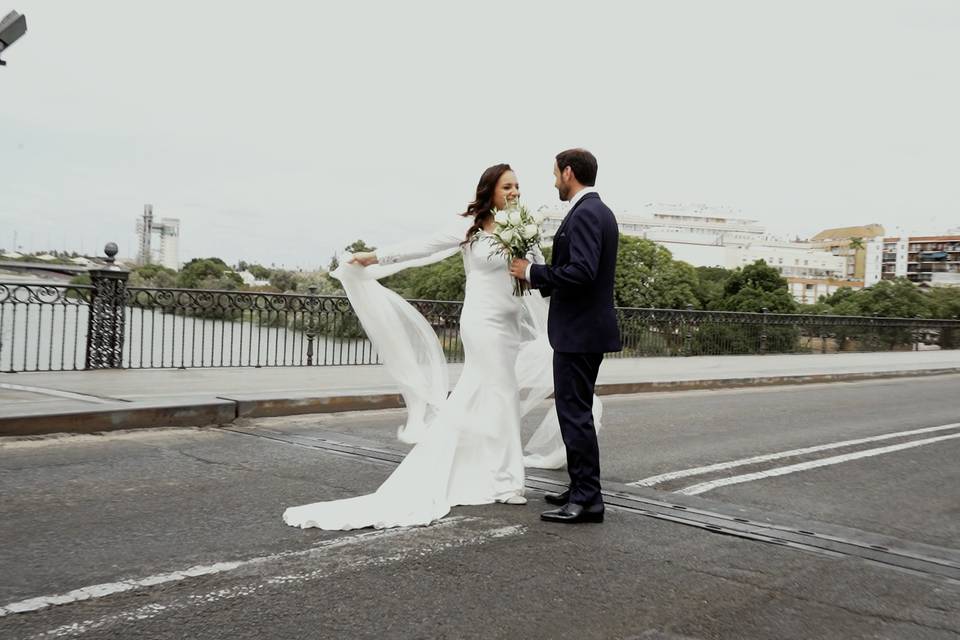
pixel 48 328
pixel 677 332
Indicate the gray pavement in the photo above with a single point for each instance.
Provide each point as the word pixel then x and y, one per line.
pixel 140 506
pixel 86 401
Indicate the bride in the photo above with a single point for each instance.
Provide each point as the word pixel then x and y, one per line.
pixel 468 446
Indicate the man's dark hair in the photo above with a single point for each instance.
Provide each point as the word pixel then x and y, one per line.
pixel 582 163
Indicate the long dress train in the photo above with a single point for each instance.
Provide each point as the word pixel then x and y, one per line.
pixel 468 446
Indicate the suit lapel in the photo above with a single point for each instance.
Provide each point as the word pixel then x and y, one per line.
pixel 592 194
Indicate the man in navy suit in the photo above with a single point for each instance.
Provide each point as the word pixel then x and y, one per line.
pixel 582 325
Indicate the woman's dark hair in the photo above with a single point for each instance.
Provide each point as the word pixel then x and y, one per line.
pixel 480 208
pixel 582 163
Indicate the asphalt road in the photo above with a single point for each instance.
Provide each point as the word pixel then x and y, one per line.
pixel 177 533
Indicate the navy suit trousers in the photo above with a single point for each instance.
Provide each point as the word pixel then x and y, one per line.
pixel 574 379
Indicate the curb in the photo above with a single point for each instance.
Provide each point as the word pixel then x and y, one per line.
pixel 125 415
pixel 220 410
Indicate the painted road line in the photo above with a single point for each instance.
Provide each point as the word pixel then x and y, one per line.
pixel 380 549
pixel 107 589
pixel 703 487
pixel 721 466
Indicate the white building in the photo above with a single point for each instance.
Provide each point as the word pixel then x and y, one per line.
pixel 873 265
pixel 168 233
pixel 705 237
pixel 251 280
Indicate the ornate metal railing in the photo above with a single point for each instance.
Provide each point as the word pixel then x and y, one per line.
pixel 673 332
pixel 200 328
pixel 108 325
pixel 43 327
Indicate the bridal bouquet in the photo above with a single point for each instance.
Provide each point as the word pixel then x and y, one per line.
pixel 518 231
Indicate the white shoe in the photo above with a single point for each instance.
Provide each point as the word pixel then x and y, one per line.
pixel 514 500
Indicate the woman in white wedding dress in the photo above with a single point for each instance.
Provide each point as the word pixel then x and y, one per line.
pixel 468 446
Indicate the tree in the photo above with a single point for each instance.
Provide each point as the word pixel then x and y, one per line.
pixel 153 276
pixel 857 243
pixel 648 276
pixel 208 273
pixel 838 296
pixel 756 287
pixel 750 289
pixel 944 302
pixel 711 281
pixel 898 298
pixel 283 280
pixel 259 271
pixel 444 280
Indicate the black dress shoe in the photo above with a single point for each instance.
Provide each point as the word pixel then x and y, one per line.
pixel 558 499
pixel 571 513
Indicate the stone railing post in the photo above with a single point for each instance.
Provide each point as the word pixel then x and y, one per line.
pixel 107 313
pixel 312 324
pixel 763 332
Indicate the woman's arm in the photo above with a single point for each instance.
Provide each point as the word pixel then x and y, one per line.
pixel 448 237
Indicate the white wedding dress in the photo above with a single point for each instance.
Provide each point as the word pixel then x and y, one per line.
pixel 468 446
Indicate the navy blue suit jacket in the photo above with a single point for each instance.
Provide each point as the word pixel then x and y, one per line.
pixel 579 280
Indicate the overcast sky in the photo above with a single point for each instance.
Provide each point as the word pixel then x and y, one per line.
pixel 279 132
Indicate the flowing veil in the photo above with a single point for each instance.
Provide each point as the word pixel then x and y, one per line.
pixel 411 352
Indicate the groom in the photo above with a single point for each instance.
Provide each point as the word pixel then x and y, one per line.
pixel 582 325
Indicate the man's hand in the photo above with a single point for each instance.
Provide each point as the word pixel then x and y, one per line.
pixel 364 259
pixel 518 268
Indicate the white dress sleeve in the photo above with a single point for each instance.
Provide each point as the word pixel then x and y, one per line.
pixel 450 236
pixel 403 339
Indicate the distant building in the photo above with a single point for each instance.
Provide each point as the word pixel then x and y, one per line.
pixel 251 280
pixel 851 243
pixel 931 260
pixel 167 232
pixel 707 237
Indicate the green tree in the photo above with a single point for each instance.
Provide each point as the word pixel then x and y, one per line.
pixel 259 271
pixel 444 280
pixel 282 280
pixel 208 273
pixel 711 281
pixel 750 289
pixel 898 298
pixel 756 287
pixel 648 276
pixel 153 276
pixel 944 302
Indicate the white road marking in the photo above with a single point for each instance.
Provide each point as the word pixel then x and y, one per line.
pixel 703 487
pixel 696 471
pixel 111 588
pixel 57 393
pixel 378 553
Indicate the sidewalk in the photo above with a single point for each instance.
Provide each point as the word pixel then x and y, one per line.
pixel 85 401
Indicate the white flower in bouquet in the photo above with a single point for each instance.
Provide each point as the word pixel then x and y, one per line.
pixel 538 217
pixel 517 232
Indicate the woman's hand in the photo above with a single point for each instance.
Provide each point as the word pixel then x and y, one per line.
pixel 364 258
